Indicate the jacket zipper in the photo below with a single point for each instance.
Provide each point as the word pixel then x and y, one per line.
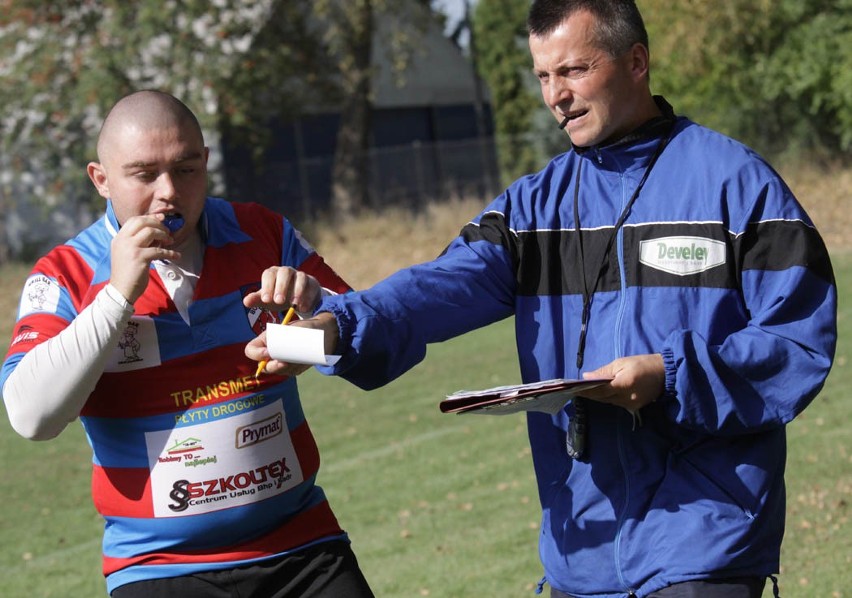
pixel 619 433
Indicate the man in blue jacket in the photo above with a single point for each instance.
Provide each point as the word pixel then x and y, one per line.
pixel 658 253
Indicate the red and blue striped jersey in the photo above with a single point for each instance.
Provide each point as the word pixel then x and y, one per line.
pixel 196 464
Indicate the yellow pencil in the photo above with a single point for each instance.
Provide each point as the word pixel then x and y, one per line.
pixel 287 317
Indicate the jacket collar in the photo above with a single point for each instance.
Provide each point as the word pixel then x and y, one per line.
pixel 656 127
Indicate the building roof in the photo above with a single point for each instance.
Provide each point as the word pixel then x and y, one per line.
pixel 438 73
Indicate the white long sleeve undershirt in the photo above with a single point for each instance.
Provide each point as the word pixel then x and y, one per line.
pixel 50 385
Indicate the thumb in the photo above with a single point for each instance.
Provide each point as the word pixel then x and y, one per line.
pixel 602 372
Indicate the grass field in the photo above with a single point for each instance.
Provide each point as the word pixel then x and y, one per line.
pixel 436 505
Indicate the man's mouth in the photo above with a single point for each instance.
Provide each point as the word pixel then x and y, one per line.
pixel 573 115
pixel 173 221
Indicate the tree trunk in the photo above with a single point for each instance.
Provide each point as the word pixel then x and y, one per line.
pixel 350 175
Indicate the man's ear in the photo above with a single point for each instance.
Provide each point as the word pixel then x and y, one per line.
pixel 97 174
pixel 640 61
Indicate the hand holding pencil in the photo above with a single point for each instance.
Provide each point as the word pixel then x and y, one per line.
pixel 281 288
pixel 257 349
pixel 262 364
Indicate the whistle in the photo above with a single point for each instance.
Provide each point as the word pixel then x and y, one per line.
pixel 173 222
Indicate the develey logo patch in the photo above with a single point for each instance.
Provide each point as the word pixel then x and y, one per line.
pixel 682 255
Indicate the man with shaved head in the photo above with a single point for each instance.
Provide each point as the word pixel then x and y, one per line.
pixel 203 471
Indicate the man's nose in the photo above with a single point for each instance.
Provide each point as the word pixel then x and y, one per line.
pixel 166 186
pixel 558 92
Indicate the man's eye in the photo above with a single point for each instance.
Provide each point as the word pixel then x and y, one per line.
pixel 145 176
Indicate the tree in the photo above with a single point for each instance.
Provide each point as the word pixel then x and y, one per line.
pixel 504 63
pixel 63 64
pixel 776 74
pixel 351 30
pixel 66 63
pixel 351 39
pixel 238 65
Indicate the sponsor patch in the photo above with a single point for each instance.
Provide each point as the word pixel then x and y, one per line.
pixel 137 347
pixel 222 463
pixel 260 431
pixel 682 256
pixel 26 334
pixel 40 295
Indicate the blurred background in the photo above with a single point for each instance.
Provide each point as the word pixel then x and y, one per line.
pixel 328 109
pixel 380 127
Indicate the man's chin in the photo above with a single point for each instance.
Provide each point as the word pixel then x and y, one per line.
pixel 580 140
pixel 579 133
pixel 583 137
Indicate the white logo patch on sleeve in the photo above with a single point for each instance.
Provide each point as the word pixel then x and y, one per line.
pixel 137 348
pixel 682 255
pixel 40 295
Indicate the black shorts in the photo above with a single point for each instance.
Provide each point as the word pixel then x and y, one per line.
pixel 325 570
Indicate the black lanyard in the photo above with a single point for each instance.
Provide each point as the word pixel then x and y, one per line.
pixel 587 296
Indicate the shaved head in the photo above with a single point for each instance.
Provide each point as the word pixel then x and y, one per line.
pixel 145 110
pixel 152 161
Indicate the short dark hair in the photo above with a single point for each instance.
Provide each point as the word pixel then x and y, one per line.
pixel 619 23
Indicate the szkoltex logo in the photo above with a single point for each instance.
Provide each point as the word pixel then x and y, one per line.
pixel 682 255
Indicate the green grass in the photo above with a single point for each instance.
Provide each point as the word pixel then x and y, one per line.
pixel 816 557
pixel 436 505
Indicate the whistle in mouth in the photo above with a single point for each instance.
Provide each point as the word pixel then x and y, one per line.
pixel 173 222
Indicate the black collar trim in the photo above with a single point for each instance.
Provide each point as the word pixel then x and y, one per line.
pixel 656 127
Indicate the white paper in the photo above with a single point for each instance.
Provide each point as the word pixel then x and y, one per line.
pixel 295 344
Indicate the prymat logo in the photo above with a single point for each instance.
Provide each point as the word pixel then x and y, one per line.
pixel 682 255
pixel 259 431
